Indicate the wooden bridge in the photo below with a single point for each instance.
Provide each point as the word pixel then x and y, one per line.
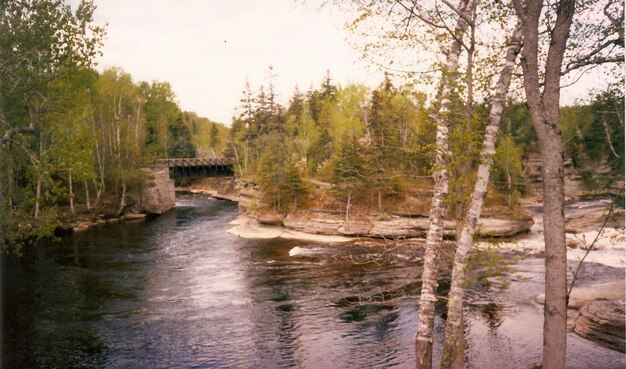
pixel 197 167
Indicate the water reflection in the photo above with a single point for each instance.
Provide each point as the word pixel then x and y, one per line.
pixel 178 292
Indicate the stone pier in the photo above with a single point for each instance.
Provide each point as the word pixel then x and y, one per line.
pixel 157 194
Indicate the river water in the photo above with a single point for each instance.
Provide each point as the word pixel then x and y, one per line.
pixel 179 292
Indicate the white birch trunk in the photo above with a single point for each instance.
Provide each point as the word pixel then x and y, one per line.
pixel 88 203
pixel 71 192
pixel 454 347
pixel 434 237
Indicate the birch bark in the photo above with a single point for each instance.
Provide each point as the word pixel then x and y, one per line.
pixel 434 237
pixel 454 346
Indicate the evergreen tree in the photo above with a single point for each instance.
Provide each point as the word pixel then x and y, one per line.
pixel 348 172
pixel 293 187
pixel 179 143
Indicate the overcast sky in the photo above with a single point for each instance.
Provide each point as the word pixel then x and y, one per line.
pixel 207 48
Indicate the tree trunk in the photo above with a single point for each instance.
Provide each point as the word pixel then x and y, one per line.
pixel 434 237
pixel 544 112
pixel 236 156
pixel 87 196
pixel 71 192
pixel 454 347
pixel 38 195
pixel 122 200
pixel 348 205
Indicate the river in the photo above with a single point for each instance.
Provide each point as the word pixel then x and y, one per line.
pixel 177 291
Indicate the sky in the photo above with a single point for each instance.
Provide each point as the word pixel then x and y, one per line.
pixel 206 49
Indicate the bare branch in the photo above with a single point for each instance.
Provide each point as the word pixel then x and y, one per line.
pixel 460 13
pixel 583 62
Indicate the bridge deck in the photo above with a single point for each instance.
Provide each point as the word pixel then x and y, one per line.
pixel 197 167
pixel 193 162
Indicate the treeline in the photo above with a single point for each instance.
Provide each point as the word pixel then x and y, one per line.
pixel 355 138
pixel 74 139
pixel 593 138
pixel 376 147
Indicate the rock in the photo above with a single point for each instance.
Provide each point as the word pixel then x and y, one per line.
pixel 602 291
pixel 573 242
pixel 355 228
pixel 327 225
pixel 270 218
pixel 81 226
pixel 134 216
pixel 572 315
pixel 314 223
pixel 398 228
pixel 295 222
pixel 158 194
pixel 603 322
pixel 492 227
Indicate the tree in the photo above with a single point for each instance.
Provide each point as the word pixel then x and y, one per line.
pixel 41 44
pixel 542 84
pixel 434 237
pixel 348 172
pixel 271 169
pixel 293 187
pixel 161 112
pixel 179 143
pixel 455 345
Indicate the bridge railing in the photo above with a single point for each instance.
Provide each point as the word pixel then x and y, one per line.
pixel 193 162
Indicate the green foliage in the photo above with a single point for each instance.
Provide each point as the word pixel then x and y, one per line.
pixel 348 169
pixel 209 138
pixel 517 124
pixel 279 176
pixel 179 143
pixel 71 135
pixel 507 174
pixel 293 186
pixel 595 132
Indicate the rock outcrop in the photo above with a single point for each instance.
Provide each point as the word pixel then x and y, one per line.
pixel 602 321
pixel 157 194
pixel 395 227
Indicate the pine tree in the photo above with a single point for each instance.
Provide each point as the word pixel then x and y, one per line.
pixel 348 171
pixel 293 187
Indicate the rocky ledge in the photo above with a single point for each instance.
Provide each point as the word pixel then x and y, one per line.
pixel 602 321
pixel 596 313
pixel 394 227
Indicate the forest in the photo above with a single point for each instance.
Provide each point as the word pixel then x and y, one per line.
pixel 376 147
pixel 74 138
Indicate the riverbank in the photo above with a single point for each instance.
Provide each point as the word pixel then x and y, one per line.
pixel 595 300
pixel 309 223
pixel 246 227
pixel 84 221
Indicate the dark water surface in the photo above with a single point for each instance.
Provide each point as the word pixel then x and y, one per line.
pixel 179 292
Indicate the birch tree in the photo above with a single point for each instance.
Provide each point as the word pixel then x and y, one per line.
pixel 434 236
pixel 454 346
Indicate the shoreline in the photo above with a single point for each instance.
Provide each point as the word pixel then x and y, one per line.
pixel 83 222
pixel 249 228
pixel 608 250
